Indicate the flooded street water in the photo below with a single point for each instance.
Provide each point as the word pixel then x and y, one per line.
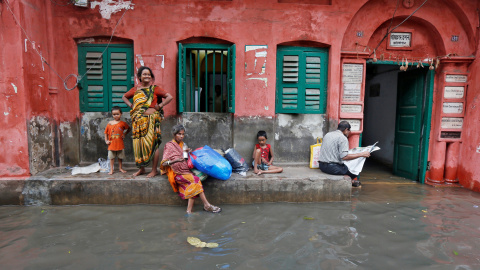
pixel 389 224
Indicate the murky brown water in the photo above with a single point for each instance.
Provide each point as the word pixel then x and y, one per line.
pixel 389 224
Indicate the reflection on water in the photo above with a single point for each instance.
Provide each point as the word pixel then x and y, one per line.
pixel 403 226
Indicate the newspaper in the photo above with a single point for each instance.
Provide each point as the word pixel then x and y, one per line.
pixel 355 166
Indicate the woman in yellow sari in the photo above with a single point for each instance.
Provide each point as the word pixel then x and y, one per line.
pixel 179 175
pixel 146 114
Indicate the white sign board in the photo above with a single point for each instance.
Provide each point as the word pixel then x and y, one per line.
pixel 351 108
pixel 354 123
pixel 452 107
pixel 401 40
pixel 454 92
pixel 351 91
pixel 456 78
pixel 452 122
pixel 352 73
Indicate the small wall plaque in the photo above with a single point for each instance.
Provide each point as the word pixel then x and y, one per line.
pixel 452 107
pixel 345 108
pixel 452 122
pixel 454 92
pixel 450 134
pixel 456 78
pixel 354 123
pixel 400 40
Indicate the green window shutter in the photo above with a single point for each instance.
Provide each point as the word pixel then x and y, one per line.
pixel 120 74
pixel 94 91
pixel 231 80
pixel 301 80
pixel 107 77
pixel 181 78
pixel 315 82
pixel 288 74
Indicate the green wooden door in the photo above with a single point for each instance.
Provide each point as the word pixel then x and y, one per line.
pixel 410 94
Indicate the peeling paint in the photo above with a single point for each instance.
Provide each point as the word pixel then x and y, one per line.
pixel 140 58
pixel 277 136
pixel 14 88
pixel 266 108
pixel 34 128
pixel 265 80
pixel 6 113
pixel 66 128
pixel 26 45
pixel 86 40
pixel 163 60
pixel 478 149
pixel 309 124
pixel 254 47
pixel 109 7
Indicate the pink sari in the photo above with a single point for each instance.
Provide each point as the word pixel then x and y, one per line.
pixel 179 175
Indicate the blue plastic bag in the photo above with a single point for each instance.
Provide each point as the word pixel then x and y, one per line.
pixel 206 160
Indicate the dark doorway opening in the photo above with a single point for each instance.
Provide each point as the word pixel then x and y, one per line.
pixel 397 115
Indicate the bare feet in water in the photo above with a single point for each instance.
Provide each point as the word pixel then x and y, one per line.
pixel 139 172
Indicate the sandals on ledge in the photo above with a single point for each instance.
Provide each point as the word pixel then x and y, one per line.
pixel 212 208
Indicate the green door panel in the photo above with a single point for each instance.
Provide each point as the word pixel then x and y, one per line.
pixel 120 72
pixel 231 79
pixel 408 123
pixel 181 78
pixel 108 75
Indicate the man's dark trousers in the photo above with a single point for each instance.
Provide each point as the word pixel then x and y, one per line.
pixel 335 169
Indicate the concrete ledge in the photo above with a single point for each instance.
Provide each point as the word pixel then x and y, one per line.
pixel 58 187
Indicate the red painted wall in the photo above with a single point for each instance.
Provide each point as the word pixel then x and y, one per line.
pixel 13 137
pixel 156 27
pixel 469 160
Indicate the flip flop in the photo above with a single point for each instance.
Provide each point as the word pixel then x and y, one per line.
pixel 212 208
pixel 356 183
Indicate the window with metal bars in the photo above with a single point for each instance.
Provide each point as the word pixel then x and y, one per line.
pixel 108 75
pixel 301 80
pixel 206 78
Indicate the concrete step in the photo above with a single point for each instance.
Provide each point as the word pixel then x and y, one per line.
pixel 58 187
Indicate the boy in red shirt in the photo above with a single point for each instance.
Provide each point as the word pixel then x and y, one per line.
pixel 114 134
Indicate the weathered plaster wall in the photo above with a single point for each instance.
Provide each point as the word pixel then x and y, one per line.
pixel 40 144
pixel 245 134
pixel 92 137
pixel 68 143
pixel 469 160
pixel 212 129
pixel 294 133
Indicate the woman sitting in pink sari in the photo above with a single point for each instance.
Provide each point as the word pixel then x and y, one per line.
pixel 179 175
